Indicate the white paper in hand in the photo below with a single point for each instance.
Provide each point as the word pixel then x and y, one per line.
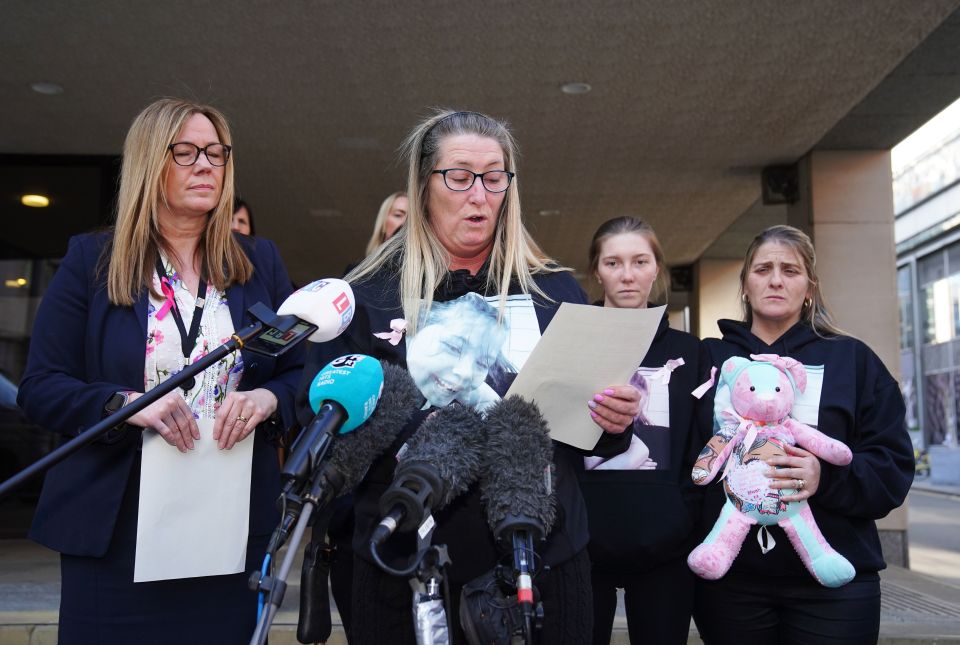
pixel 584 350
pixel 194 508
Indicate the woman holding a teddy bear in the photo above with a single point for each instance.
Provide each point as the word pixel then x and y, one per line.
pixel 768 596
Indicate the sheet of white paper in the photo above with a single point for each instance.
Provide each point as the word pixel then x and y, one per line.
pixel 194 508
pixel 584 350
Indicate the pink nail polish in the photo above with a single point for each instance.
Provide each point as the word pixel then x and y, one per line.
pixel 609 392
pixel 591 404
pixel 598 397
pixel 593 415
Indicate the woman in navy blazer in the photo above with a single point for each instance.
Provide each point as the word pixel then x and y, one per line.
pixel 100 340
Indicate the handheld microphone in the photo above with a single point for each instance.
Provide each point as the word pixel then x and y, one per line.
pixel 343 395
pixel 436 465
pixel 319 312
pixel 516 487
pixel 329 304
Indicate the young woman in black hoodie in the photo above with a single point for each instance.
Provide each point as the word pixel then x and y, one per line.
pixel 772 598
pixel 641 504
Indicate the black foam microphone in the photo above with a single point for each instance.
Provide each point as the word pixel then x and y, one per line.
pixel 353 453
pixel 349 459
pixel 516 486
pixel 437 465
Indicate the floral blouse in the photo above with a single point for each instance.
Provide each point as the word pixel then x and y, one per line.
pixel 165 354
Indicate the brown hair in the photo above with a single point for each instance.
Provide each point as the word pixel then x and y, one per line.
pixel 136 239
pixel 815 313
pixel 626 224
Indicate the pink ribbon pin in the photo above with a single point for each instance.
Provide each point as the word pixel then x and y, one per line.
pixel 702 389
pixel 663 374
pixel 398 326
pixel 167 290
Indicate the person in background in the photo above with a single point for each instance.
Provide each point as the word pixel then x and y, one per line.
pixel 112 326
pixel 772 598
pixel 642 505
pixel 390 217
pixel 242 221
pixel 464 238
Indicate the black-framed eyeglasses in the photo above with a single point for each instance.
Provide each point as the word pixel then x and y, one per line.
pixel 186 154
pixel 461 179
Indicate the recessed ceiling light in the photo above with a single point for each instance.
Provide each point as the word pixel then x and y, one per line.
pixel 50 89
pixel 16 283
pixel 549 212
pixel 35 201
pixel 575 88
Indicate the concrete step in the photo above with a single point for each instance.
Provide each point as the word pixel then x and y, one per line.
pixel 915 608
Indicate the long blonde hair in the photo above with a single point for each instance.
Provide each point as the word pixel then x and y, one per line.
pixel 813 312
pixel 379 235
pixel 137 239
pixel 423 261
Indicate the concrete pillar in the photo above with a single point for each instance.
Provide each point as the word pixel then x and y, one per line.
pixel 718 294
pixel 846 206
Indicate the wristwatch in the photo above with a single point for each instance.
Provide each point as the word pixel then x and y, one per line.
pixel 115 402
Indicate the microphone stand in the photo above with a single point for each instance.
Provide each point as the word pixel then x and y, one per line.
pixel 429 616
pixel 119 417
pixel 320 491
pixel 291 496
pixel 426 565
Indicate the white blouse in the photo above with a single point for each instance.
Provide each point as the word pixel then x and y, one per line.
pixel 165 354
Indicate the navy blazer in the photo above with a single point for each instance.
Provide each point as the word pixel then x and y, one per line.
pixel 84 349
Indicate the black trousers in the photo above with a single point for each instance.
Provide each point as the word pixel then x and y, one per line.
pixel 789 611
pixel 340 535
pixel 658 603
pixel 383 604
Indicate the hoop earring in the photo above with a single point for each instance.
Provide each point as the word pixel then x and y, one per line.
pixel 744 298
pixel 808 302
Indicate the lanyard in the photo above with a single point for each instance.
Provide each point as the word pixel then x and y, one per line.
pixel 187 340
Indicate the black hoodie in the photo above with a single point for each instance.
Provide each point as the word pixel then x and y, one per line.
pixel 861 405
pixel 640 519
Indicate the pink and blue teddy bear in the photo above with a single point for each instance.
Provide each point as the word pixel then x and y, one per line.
pixel 752 408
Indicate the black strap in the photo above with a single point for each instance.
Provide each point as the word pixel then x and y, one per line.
pixel 187 340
